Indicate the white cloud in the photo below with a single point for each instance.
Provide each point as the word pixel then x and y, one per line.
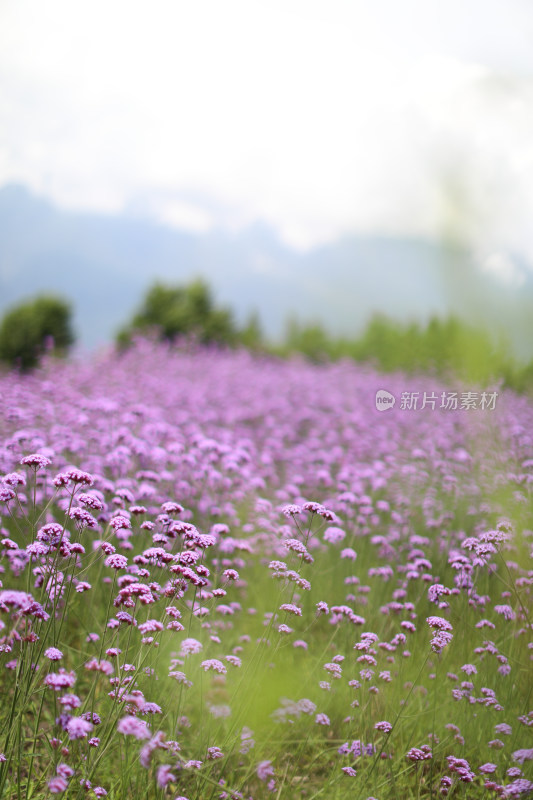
pixel 319 118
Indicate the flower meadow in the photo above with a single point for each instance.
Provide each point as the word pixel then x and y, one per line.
pixel 230 576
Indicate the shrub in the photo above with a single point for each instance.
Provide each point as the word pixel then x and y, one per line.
pixel 30 329
pixel 181 310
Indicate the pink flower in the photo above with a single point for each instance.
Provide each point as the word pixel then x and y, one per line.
pixel 164 776
pixel 132 726
pixel 53 654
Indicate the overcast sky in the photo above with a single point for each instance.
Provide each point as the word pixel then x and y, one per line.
pixel 410 117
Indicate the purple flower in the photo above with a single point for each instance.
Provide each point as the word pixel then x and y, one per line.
pixel 349 771
pixel 78 728
pixel 60 680
pixel 190 646
pixel 38 461
pixel 14 479
pixel 215 665
pixel 439 623
pixel 291 510
pixel 264 770
pixel 523 755
pixel 53 654
pixel 487 769
pixel 506 612
pixel 504 728
pixel 322 719
pixel 164 776
pixel 57 785
pixel 132 726
pixel 73 475
pixel 384 726
pixel 334 535
pixel 291 609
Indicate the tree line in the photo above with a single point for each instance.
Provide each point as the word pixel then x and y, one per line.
pixel 446 348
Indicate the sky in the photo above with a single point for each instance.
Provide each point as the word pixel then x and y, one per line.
pixel 318 118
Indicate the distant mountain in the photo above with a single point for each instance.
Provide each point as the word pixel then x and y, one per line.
pixel 104 264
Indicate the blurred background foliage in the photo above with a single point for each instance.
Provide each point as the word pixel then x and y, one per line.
pixel 444 347
pixel 33 328
pixel 174 311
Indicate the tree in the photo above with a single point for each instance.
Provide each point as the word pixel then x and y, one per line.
pixel 30 329
pixel 182 310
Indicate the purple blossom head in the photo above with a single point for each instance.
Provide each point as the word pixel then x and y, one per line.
pixel 36 460
pixel 132 726
pixel 53 654
pixel 78 728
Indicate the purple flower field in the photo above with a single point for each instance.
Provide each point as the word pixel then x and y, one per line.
pixel 231 576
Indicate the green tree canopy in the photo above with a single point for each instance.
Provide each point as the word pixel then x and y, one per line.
pixel 32 328
pixel 179 310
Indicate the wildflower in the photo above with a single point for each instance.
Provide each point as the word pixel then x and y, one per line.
pixel 322 719
pixel 150 708
pixel 487 769
pixel 36 460
pixel 172 508
pixel 334 535
pixel 264 770
pixel 189 646
pixel 291 510
pixel 384 726
pixel 82 517
pixel 348 552
pixel 284 628
pixel 132 726
pixel 419 754
pixel 215 665
pixel 78 728
pixel 469 669
pixel 53 654
pixel 57 784
pixel 306 706
pixel 506 611
pixel 440 641
pixel 504 728
pixel 523 755
pixel 291 609
pixel 519 787
pixel 349 771
pixel 164 775
pixel 214 753
pixel 60 680
pixel 6 494
pixel 439 623
pixel 193 764
pixel 120 521
pixel 116 561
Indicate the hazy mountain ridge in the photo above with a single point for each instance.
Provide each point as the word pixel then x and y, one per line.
pixel 103 264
